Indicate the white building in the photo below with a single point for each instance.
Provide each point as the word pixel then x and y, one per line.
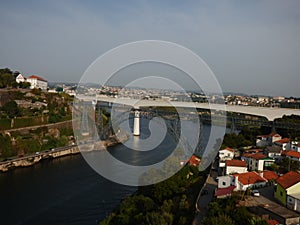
pixel 293 202
pixel 226 154
pixel 259 162
pixel 264 140
pixel 248 180
pixel 225 181
pixel 295 146
pixel 235 166
pixel 20 78
pixel 37 82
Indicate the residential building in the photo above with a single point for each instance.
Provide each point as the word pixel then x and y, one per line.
pixel 20 78
pixel 226 154
pixel 284 143
pixel 288 184
pixel 270 176
pixel 224 181
pixel 224 192
pixel 264 140
pixel 293 155
pixel 37 82
pixel 235 166
pixel 273 151
pixel 247 180
pixel 293 202
pixel 194 161
pixel 259 162
pixel 295 146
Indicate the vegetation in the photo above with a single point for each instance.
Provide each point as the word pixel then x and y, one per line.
pixel 224 211
pixel 169 202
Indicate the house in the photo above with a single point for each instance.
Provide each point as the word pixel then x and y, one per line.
pixel 224 192
pixel 37 82
pixel 194 161
pixel 288 184
pixel 270 176
pixel 259 162
pixel 247 180
pixel 224 181
pixel 20 78
pixel 284 143
pixel 235 166
pixel 293 155
pixel 264 140
pixel 295 146
pixel 293 202
pixel 273 151
pixel 226 154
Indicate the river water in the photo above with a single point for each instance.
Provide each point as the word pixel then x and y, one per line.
pixel 64 191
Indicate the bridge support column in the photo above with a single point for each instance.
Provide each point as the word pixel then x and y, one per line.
pixel 136 122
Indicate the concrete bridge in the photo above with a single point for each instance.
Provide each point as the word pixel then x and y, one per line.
pixel 270 113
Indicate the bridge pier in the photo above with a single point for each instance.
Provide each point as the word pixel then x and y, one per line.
pixel 136 122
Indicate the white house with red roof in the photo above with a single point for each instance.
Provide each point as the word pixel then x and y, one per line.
pixel 226 154
pixel 235 166
pixel 259 162
pixel 37 82
pixel 248 180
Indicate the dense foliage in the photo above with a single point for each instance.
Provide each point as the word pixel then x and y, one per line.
pixel 169 202
pixel 224 211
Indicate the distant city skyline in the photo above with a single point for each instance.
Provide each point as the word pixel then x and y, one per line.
pixel 253 47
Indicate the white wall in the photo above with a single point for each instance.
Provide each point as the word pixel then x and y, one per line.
pixel 224 181
pixel 235 169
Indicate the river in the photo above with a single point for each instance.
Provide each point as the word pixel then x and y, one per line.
pixel 64 191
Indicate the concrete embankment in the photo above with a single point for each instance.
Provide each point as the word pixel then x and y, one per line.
pixel 33 159
pixel 59 152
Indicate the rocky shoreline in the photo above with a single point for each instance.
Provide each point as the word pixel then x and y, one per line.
pixel 59 152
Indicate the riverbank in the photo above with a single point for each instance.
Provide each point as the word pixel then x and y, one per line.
pixel 60 152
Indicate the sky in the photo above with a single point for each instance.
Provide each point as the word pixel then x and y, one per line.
pixel 252 46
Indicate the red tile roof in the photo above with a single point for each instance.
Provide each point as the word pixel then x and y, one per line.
pixel 247 155
pixel 269 135
pixel 194 161
pixel 273 222
pixel 283 141
pixel 224 191
pixel 293 154
pixel 229 149
pixel 273 134
pixel 36 77
pixel 258 156
pixel 289 179
pixel 235 162
pixel 249 178
pixel 270 175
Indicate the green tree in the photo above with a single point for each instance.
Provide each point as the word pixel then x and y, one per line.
pixel 11 109
pixel 220 219
pixel 157 218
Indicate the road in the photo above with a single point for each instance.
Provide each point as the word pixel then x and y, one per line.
pixel 204 199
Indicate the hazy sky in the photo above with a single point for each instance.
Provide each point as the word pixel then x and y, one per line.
pixel 251 46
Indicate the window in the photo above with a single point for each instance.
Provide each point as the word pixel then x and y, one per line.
pixel 281 194
pixel 290 200
pixel 224 183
